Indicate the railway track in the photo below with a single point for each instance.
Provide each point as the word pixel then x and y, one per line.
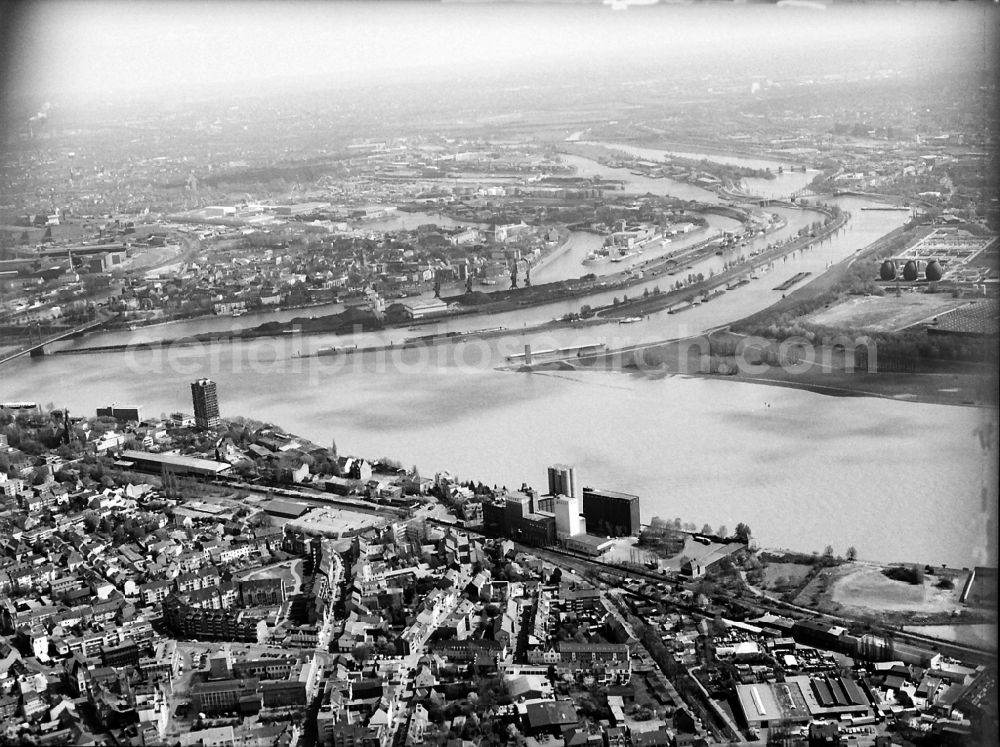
pixel 930 645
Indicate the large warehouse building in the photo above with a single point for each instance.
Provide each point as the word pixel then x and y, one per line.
pixel 610 514
pixel 176 463
pixel 285 509
pixel 801 699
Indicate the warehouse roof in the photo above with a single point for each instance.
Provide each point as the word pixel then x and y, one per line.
pixel 279 507
pixel 177 461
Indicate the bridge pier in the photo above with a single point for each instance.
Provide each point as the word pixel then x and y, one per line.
pixel 38 352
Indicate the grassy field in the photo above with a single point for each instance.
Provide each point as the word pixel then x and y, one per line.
pixel 290 573
pixel 886 313
pixel 830 286
pixel 781 576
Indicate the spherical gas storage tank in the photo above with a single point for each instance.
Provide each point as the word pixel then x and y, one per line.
pixel 887 271
pixel 934 271
pixel 910 270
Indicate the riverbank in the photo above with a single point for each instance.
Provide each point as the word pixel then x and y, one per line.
pixel 408 344
pixel 464 305
pixel 523 298
pixel 956 388
pixel 655 140
pixel 810 367
pixel 133 324
pixel 683 168
pixel 720 282
pixel 726 356
pixel 562 246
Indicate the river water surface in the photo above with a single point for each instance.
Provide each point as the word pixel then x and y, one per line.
pixel 897 480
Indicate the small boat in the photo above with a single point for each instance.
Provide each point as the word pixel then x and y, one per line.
pixel 597 256
pixel 630 320
pixel 625 253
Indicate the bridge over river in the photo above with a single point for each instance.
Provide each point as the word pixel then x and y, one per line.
pixel 35 346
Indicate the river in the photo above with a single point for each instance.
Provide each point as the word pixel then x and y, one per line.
pixel 568 261
pixel 565 263
pixel 658 154
pixel 863 228
pixel 897 480
pixel 782 185
pixel 804 470
pixel 638 184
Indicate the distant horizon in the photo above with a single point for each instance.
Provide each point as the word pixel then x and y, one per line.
pixel 174 50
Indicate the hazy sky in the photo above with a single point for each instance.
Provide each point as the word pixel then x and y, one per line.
pixel 85 46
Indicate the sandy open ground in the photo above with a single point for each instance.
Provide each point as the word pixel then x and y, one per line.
pixel 152 257
pixel 626 549
pixel 887 312
pixel 868 588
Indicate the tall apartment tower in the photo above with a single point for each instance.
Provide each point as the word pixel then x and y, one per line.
pixel 562 481
pixel 206 403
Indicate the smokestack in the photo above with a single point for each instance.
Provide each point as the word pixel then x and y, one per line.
pixel 39 119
